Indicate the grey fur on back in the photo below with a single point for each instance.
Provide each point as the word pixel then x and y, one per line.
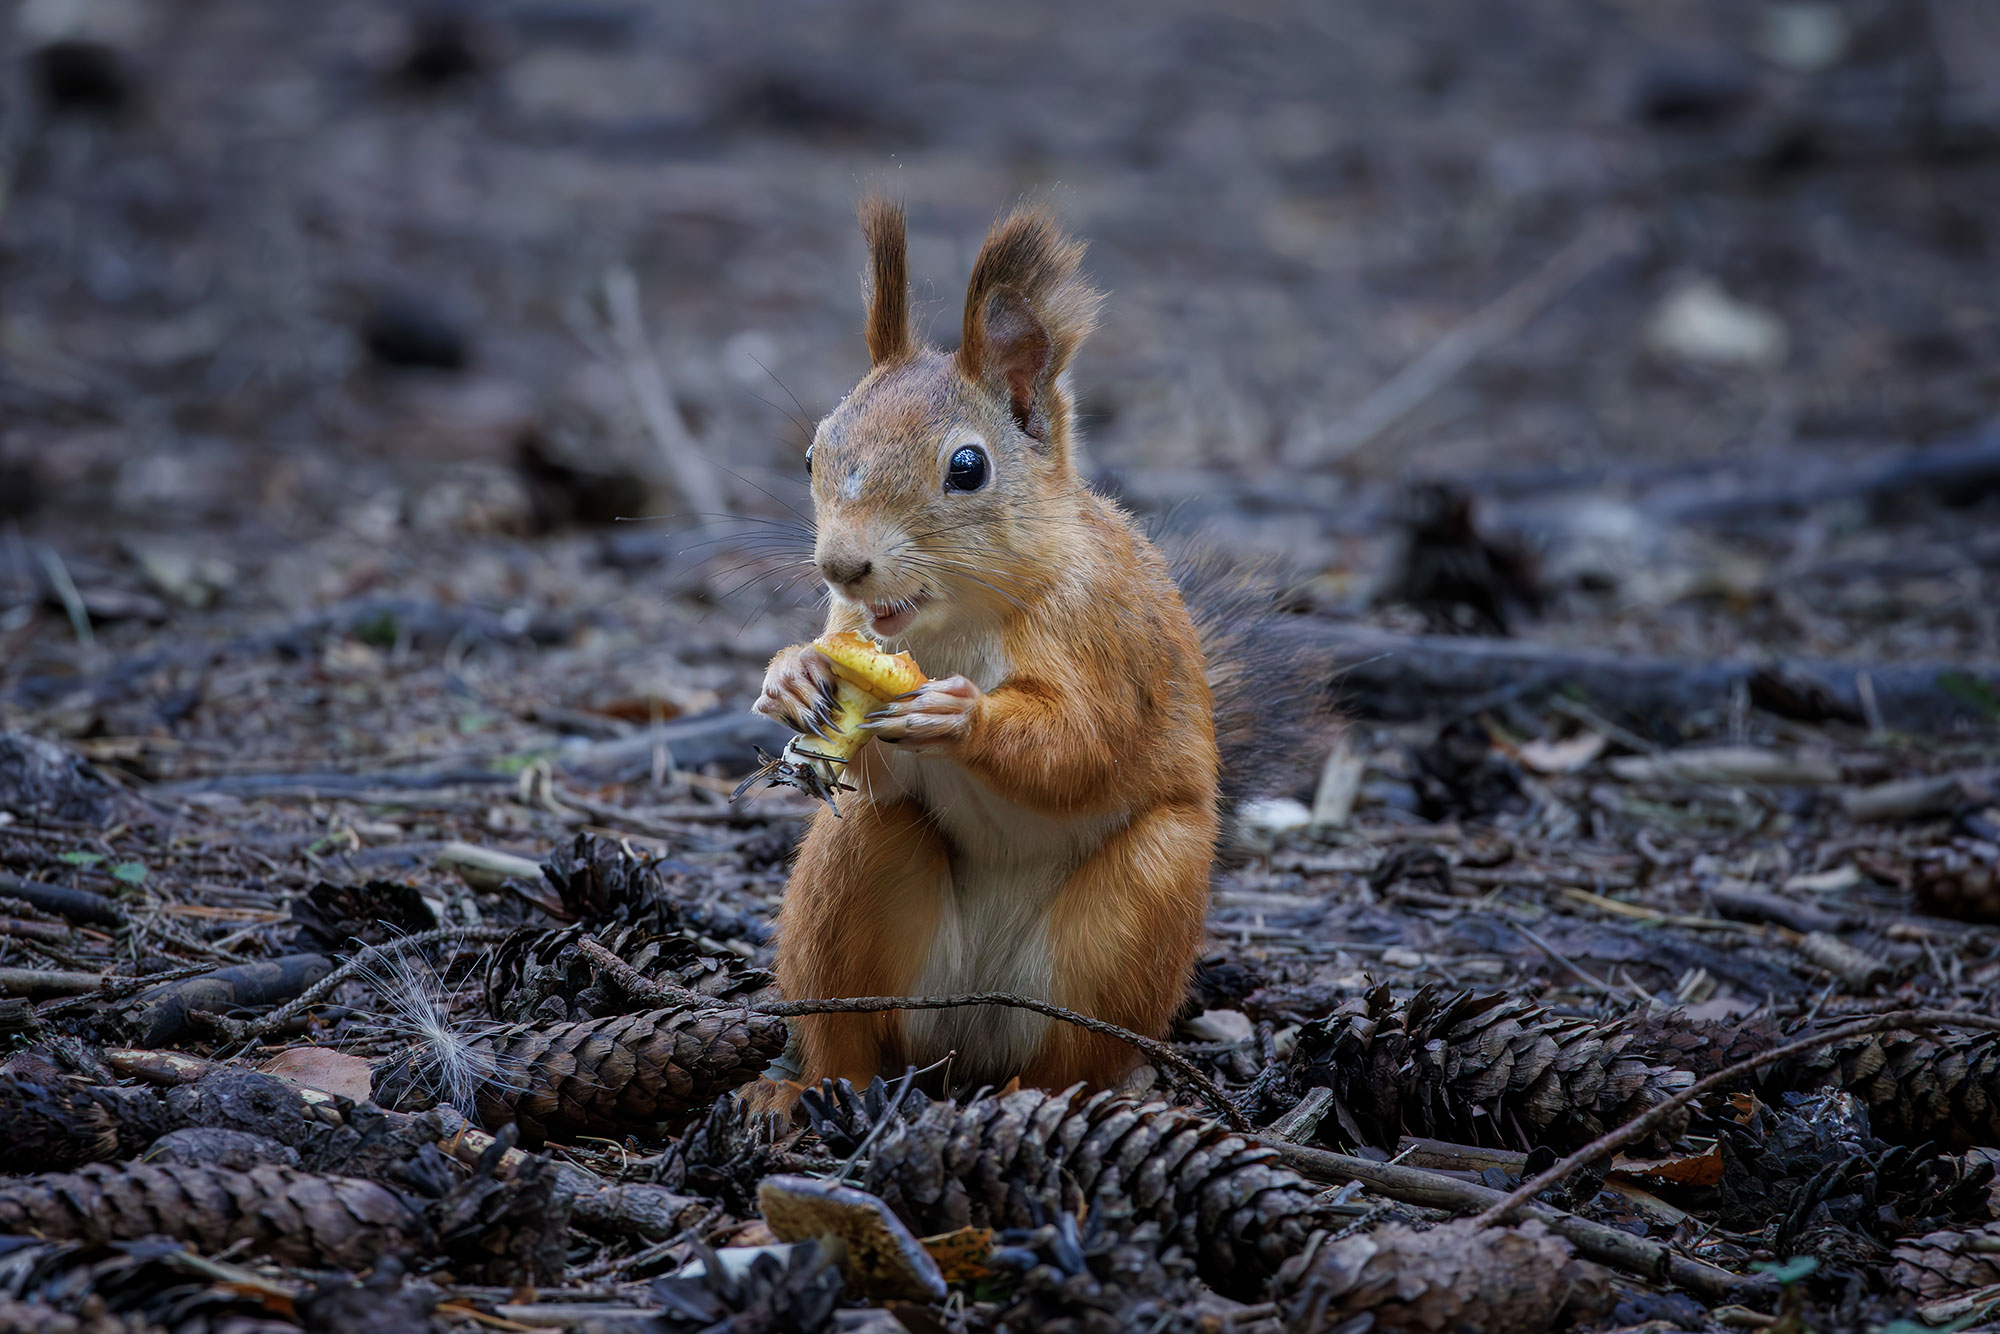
pixel 1273 717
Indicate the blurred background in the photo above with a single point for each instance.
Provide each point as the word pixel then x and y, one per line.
pixel 349 352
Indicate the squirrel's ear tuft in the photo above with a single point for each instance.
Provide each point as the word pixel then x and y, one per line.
pixel 1027 310
pixel 888 331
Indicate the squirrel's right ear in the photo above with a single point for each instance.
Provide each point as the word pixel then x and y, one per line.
pixel 1027 309
pixel 888 330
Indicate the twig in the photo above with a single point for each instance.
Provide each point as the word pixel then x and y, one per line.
pixel 639 985
pixel 79 905
pixel 33 982
pixel 690 468
pixel 1646 1122
pixel 1442 361
pixel 323 988
pixel 65 591
pixel 1609 1245
pixel 1595 983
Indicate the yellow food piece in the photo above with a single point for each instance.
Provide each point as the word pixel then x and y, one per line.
pixel 867 677
pixel 860 662
pixel 851 704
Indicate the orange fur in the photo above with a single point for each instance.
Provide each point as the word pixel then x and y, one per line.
pixel 863 894
pixel 1041 816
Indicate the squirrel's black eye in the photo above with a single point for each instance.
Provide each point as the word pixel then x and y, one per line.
pixel 809 460
pixel 967 471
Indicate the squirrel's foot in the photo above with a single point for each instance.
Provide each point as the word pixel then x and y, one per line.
pixel 935 716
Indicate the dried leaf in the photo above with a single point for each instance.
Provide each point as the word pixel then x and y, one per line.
pixel 322 1068
pixel 1703 1167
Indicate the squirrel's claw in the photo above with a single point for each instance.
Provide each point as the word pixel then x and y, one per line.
pixel 935 714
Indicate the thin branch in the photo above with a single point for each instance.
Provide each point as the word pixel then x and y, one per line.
pixel 323 988
pixel 1645 1123
pixel 638 984
pixel 1608 1245
pixel 691 469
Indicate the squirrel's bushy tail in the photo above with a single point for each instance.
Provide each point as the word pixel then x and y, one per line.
pixel 1273 715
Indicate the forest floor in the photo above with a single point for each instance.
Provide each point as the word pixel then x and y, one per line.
pixel 1617 386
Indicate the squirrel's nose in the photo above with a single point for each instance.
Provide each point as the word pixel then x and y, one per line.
pixel 844 570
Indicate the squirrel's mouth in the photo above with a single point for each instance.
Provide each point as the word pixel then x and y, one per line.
pixel 892 618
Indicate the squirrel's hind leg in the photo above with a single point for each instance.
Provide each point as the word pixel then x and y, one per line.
pixel 1126 928
pixel 859 914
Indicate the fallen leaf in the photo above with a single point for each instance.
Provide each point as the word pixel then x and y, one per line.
pixel 322 1068
pixel 1703 1168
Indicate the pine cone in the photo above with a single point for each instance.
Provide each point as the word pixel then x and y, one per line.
pixel 724 1155
pixel 142 1287
pixel 337 919
pixel 1937 1088
pixel 795 1295
pixel 624 1074
pixel 58 1123
pixel 1940 1088
pixel 541 977
pixel 1944 1264
pixel 602 884
pixel 1493 1070
pixel 1007 1161
pixel 511 1231
pixel 294 1217
pixel 1502 1280
pixel 1093 1281
pixel 842 1117
pixel 380 1304
pixel 1961 881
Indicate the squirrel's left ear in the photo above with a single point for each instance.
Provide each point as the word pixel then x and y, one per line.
pixel 1027 309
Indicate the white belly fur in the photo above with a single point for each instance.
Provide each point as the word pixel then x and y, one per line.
pixel 1007 865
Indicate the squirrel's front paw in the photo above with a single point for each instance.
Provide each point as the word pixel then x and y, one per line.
pixel 935 715
pixel 799 689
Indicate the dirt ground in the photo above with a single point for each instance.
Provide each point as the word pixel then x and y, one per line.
pixel 335 531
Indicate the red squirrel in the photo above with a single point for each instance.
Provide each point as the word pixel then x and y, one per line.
pixel 1041 816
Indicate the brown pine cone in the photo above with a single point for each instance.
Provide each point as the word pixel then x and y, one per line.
pixel 1944 1264
pixel 1493 1070
pixel 1012 1161
pixel 54 1124
pixel 620 1075
pixel 601 885
pixel 1938 1087
pixel 1501 1280
pixel 793 1295
pixel 291 1216
pixel 1961 881
pixel 538 977
pixel 1935 1088
pixel 1085 1280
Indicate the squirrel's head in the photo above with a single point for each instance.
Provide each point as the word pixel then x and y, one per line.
pixel 939 484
